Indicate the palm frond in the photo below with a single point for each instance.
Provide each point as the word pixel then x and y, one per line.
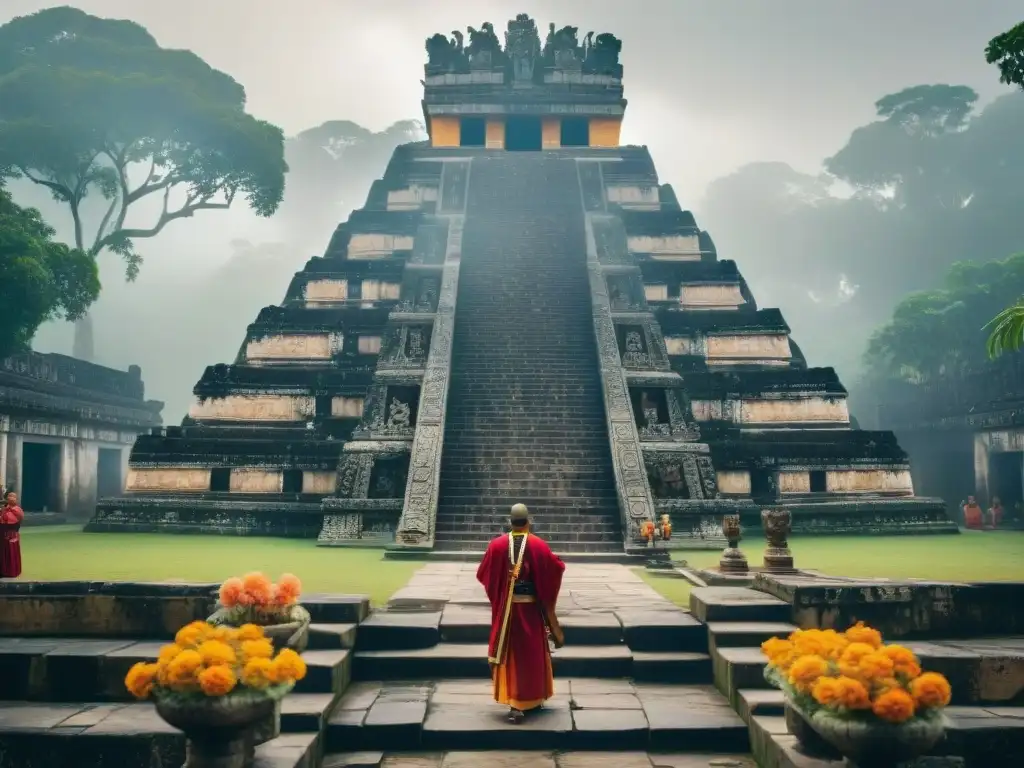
pixel 1007 334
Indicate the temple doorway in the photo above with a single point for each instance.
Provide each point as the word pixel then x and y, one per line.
pixel 40 477
pixel 108 472
pixel 472 132
pixel 1006 478
pixel 523 134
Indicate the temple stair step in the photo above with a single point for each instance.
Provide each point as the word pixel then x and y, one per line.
pixel 586 713
pixel 102 735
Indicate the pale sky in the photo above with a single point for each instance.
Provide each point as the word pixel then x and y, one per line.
pixel 712 84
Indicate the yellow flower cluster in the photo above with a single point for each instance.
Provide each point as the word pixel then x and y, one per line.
pixel 214 661
pixel 854 671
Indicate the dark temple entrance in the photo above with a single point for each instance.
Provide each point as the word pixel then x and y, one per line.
pixel 523 134
pixel 1006 478
pixel 108 472
pixel 40 477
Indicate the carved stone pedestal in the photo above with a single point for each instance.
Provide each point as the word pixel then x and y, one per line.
pixel 219 752
pixel 733 560
pixel 777 524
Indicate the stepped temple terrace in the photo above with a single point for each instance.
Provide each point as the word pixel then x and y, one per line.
pixel 521 312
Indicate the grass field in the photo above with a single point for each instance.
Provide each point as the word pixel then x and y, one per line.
pixel 65 553
pixel 971 556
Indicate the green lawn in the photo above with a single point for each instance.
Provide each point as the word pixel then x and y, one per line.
pixel 62 554
pixel 971 556
pixel 66 553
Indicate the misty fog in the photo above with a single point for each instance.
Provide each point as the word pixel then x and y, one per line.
pixel 713 87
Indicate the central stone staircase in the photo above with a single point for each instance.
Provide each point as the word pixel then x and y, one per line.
pixel 526 420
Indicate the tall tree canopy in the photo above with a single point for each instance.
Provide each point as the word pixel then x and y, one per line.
pixel 39 278
pixel 1006 51
pixel 941 332
pixel 94 107
pixel 928 183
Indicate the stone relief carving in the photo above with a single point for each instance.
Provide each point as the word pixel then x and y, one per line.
pixel 399 416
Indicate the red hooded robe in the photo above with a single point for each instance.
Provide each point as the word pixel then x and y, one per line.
pixel 518 648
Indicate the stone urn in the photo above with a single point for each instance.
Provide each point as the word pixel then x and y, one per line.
pixel 292 634
pixel 868 742
pixel 220 731
pixel 777 524
pixel 733 560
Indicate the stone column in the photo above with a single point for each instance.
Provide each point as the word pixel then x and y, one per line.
pixel 981 459
pixel 14 463
pixel 67 482
pixel 4 427
pixel 84 479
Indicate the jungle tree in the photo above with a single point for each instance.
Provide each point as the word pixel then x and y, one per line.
pixel 94 108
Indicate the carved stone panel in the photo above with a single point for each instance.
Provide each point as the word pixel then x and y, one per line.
pixel 416 525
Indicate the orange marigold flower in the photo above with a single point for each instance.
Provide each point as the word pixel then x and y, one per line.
pixel 258 588
pixel 230 592
pixel 217 681
pixel 860 633
pixel 931 690
pixel 257 673
pixel 881 685
pixel 287 667
pixel 849 659
pixel 288 590
pixel 904 661
pixel 140 680
pixel 826 691
pixel 182 669
pixel 775 648
pixel 811 642
pixel 875 666
pixel 168 652
pixel 191 635
pixel 215 653
pixel 257 649
pixel 249 632
pixel 852 693
pixel 894 706
pixel 805 670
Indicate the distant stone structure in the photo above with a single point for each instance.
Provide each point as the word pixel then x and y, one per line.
pixel 65 429
pixel 521 312
pixel 965 433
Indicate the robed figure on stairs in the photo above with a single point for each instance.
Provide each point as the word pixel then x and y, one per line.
pixel 521 576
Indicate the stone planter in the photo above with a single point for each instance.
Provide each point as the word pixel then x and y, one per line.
pixel 293 634
pixel 219 731
pixel 866 743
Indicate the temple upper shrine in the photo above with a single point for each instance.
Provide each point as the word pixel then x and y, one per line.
pixel 523 95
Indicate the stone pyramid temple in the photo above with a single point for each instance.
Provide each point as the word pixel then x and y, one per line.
pixel 521 312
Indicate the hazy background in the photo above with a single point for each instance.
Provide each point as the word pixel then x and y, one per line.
pixel 712 86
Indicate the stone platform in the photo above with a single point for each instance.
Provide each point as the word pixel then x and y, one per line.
pixel 537 759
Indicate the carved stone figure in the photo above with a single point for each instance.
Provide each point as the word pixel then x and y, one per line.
pixel 522 46
pixel 414 349
pixel 399 416
pixel 635 354
pixel 733 560
pixel 603 56
pixel 777 524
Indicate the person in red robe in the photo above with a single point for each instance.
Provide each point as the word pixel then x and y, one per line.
pixel 522 577
pixel 995 513
pixel 10 539
pixel 972 514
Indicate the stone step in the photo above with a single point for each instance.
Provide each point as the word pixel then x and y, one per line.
pixel 733 634
pixel 336 609
pixel 470 660
pixel 523 757
pixel 330 637
pixel 715 604
pixel 101 735
pixel 586 713
pixel 72 669
pixel 982 737
pixel 753 702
